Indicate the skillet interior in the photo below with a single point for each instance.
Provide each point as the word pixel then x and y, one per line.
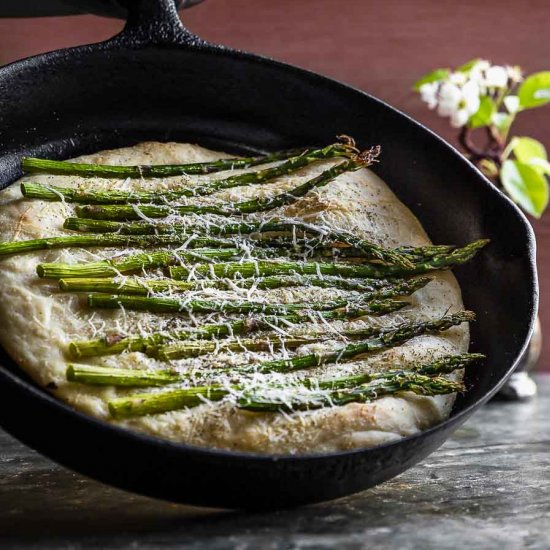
pixel 124 91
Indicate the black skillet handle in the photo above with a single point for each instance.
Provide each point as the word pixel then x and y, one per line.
pixel 43 8
pixel 156 22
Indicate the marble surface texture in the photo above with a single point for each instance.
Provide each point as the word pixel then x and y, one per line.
pixel 487 487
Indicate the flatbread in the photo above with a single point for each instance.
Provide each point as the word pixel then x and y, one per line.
pixel 38 322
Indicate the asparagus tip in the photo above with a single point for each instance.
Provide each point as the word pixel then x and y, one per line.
pixel 475 357
pixel 480 243
pixel 369 156
pixel 348 142
pixel 463 316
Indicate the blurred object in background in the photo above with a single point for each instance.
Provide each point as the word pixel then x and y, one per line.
pixel 521 386
pixel 483 100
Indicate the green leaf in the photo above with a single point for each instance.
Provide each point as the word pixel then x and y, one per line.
pixel 434 76
pixel 526 149
pixel 541 165
pixel 468 66
pixel 535 90
pixel 484 115
pixel 525 185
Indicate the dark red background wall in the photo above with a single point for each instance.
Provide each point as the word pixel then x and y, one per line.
pixel 381 46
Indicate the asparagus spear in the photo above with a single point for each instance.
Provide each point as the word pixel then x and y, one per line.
pixel 101 376
pixel 414 254
pixel 411 253
pixel 32 190
pixel 161 304
pixel 134 262
pixel 110 268
pixel 384 340
pixel 396 385
pixel 420 253
pixel 33 165
pixel 131 212
pixel 106 240
pixel 105 376
pixel 88 225
pixel 445 365
pixel 386 288
pixel 114 344
pixel 270 268
pixel 336 237
pixel 265 343
pixel 184 349
pixel 154 403
pixel 144 241
pixel 165 401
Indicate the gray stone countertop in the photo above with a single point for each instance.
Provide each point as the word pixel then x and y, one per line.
pixel 487 487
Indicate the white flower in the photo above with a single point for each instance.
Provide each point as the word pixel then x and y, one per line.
pixel 514 73
pixel 476 72
pixel 459 95
pixel 511 102
pixel 458 78
pixel 448 99
pixel 496 77
pixel 428 93
pixel 458 103
pixel 459 118
pixel 470 96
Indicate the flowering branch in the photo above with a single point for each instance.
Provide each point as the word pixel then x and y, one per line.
pixel 481 96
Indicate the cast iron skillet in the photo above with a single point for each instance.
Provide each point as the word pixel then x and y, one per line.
pixel 158 81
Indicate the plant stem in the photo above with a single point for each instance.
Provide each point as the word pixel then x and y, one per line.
pixel 131 212
pixel 331 236
pixel 270 268
pixel 154 403
pixel 135 262
pixel 396 385
pixel 145 287
pixel 420 253
pixel 102 376
pixel 385 340
pixel 165 401
pixel 34 165
pixel 106 240
pixel 492 150
pixel 160 304
pixel 187 349
pixel 105 376
pixel 115 343
pixel 414 254
pixel 90 196
pixel 445 365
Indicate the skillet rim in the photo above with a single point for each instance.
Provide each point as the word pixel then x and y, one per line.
pixel 124 40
